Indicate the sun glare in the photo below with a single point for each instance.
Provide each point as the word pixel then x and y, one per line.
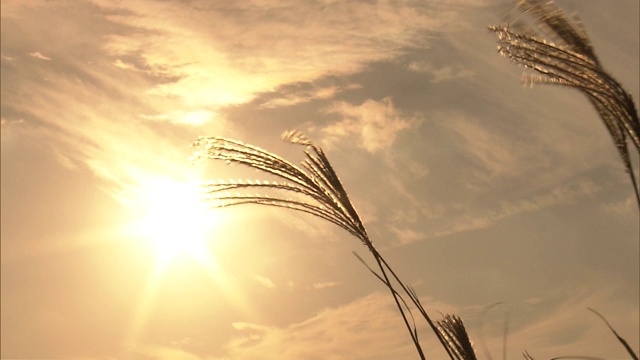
pixel 176 220
pixel 177 225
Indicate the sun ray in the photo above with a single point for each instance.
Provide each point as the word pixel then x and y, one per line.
pixel 177 225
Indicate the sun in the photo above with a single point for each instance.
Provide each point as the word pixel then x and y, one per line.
pixel 177 224
pixel 175 220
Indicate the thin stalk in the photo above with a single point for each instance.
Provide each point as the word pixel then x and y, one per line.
pixel 319 192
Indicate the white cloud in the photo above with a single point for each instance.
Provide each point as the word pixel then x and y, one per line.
pixel 568 328
pixel 241 325
pixel 294 98
pixel 164 352
pixel 549 325
pixel 7 122
pixel 264 281
pixel 123 65
pixel 367 328
pixel 560 194
pixel 441 74
pixel 375 124
pixel 496 154
pixel 7 58
pixel 38 55
pixel 406 236
pixel 624 207
pixel 194 117
pixel 147 59
pixel 258 46
pixel 324 285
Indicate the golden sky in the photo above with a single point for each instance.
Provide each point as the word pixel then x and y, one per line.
pixel 475 188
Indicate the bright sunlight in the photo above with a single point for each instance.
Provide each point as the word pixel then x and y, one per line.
pixel 175 220
pixel 176 223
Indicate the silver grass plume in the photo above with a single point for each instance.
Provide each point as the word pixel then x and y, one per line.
pixel 453 331
pixel 319 184
pixel 557 47
pixel 315 189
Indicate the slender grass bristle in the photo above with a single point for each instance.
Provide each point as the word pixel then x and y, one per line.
pixel 313 188
pixel 539 36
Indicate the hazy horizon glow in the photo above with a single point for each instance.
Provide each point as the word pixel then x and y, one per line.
pixel 476 189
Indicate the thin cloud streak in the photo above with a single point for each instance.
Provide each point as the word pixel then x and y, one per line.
pixel 295 98
pixel 374 123
pixel 568 329
pixel 190 65
pixel 367 328
pixel 38 55
pixel 440 74
pixel 458 172
pixel 561 194
pixel 324 285
pixel 264 281
pixel 258 47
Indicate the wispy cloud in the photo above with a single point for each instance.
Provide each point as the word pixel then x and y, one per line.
pixel 193 118
pixel 128 84
pixel 405 235
pixel 255 48
pixel 38 55
pixel 553 324
pixel 418 221
pixel 7 58
pixel 131 77
pixel 440 74
pixel 367 328
pixel 327 284
pixel 294 98
pixel 564 326
pixel 165 352
pixel 623 207
pixel 375 124
pixel 264 281
pixel 560 194
pixel 493 152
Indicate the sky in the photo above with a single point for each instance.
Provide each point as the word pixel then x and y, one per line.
pixel 497 202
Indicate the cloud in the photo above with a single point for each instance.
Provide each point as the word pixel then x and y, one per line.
pixel 193 118
pixel 441 74
pixel 38 55
pixel 507 171
pixel 416 221
pixel 165 352
pixel 5 123
pixel 324 285
pixel 264 281
pixel 92 114
pixel 492 151
pixel 374 124
pixel 294 98
pixel 258 47
pixel 623 207
pixel 406 236
pixel 564 327
pixel 109 100
pixel 560 194
pixel 367 328
pixel 556 323
pixel 240 325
